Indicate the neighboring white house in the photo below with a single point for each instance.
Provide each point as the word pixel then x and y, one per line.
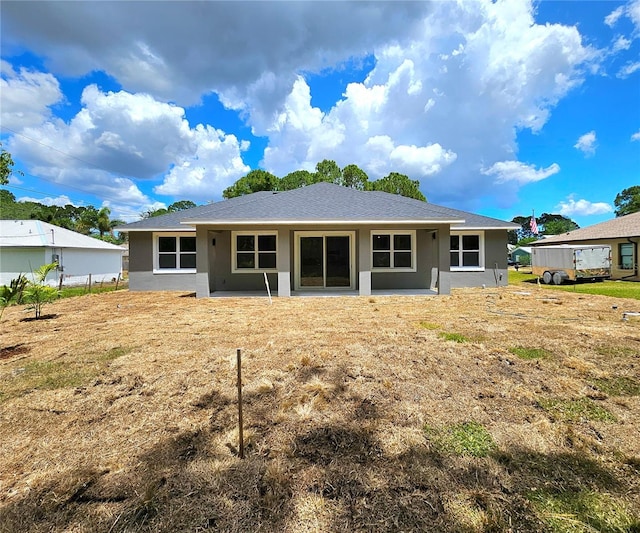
pixel 26 245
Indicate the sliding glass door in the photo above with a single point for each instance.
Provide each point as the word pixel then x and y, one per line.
pixel 324 260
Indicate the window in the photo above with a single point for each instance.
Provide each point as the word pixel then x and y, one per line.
pixel 626 256
pixel 393 250
pixel 466 251
pixel 175 252
pixel 254 251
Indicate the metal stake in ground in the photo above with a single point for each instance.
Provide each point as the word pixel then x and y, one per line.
pixel 241 441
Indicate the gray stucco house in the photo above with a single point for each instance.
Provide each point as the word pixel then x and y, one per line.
pixel 322 237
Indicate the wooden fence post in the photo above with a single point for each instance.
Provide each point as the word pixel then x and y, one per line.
pixel 240 435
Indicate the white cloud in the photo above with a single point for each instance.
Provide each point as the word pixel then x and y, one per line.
pixel 587 143
pixel 612 18
pixel 621 43
pixel 118 139
pixel 518 172
pixel 633 12
pixel 636 136
pixel 459 111
pixel 453 83
pixel 628 69
pixel 26 96
pixel 59 201
pixel 215 164
pixel 572 207
pixel 211 46
pixel 304 133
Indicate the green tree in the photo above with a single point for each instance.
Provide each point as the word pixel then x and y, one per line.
pixel 180 205
pixel 87 221
pixel 6 166
pixel 356 178
pixel 522 234
pixel 103 221
pixel 154 212
pixel 627 201
pixel 400 184
pixel 255 181
pixel 295 180
pixel 551 224
pixel 329 171
pixel 548 224
pixel 7 201
pixel 557 227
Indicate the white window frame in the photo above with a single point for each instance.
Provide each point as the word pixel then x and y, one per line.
pixel 156 253
pixel 392 233
pixel 234 252
pixel 481 259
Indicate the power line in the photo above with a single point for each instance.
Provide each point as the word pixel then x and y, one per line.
pixel 91 165
pixel 52 148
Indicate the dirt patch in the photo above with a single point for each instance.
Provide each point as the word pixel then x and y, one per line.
pixel 11 351
pixel 41 317
pixel 125 418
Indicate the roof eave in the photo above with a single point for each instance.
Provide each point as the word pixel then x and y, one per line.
pixel 329 222
pixel 124 229
pixel 484 228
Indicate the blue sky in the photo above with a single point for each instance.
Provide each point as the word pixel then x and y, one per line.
pixel 499 108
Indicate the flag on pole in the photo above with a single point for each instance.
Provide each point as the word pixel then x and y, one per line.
pixel 533 224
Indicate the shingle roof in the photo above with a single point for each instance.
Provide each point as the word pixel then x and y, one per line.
pixel 617 228
pixel 320 202
pixel 37 234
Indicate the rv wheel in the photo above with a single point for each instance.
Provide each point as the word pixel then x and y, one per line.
pixel 546 278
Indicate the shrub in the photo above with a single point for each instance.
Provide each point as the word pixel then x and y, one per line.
pixel 14 291
pixel 38 293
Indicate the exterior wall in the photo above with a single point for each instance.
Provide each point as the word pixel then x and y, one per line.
pixel 616 271
pixel 140 252
pixel 495 264
pixel 214 270
pixel 221 278
pixel 76 264
pixel 426 258
pixel 141 275
pixel 16 261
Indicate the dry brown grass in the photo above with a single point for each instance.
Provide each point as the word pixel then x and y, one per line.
pixel 119 414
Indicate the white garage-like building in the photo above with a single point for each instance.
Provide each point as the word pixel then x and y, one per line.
pixel 26 245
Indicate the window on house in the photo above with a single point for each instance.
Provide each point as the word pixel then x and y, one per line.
pixel 176 252
pixel 393 250
pixel 466 251
pixel 254 251
pixel 625 251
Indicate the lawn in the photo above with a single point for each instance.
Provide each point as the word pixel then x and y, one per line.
pixel 617 289
pixel 511 409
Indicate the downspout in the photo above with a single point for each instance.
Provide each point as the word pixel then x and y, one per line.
pixel 635 257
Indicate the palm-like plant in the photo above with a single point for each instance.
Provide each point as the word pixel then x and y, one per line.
pixel 37 292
